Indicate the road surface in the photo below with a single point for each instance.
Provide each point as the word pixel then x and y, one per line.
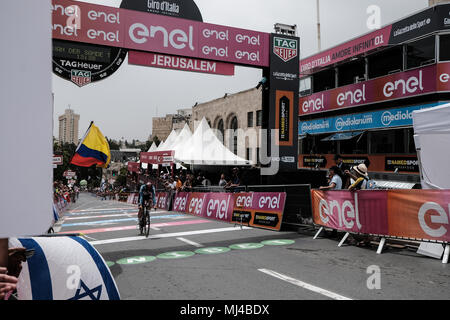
pixel 190 258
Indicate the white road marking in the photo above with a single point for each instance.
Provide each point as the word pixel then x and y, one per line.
pixel 87 237
pixel 166 235
pixel 304 285
pixel 103 209
pixel 155 228
pixel 192 243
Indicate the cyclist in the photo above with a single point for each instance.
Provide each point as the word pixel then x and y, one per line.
pixel 144 198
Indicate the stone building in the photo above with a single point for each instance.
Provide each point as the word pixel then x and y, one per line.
pixel 163 126
pixel 236 118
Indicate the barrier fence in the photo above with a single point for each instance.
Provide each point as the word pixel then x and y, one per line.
pixel 255 209
pixel 421 215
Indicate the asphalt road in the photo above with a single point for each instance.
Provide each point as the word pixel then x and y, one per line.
pixel 190 258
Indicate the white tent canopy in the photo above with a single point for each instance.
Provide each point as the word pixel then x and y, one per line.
pixel 153 147
pixel 182 139
pixel 204 148
pixel 432 138
pixel 167 146
pixel 161 145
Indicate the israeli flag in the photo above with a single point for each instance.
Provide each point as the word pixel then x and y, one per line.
pixel 63 268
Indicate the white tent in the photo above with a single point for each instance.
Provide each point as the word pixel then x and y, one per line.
pixel 182 139
pixel 153 147
pixel 432 138
pixel 167 146
pixel 204 148
pixel 161 145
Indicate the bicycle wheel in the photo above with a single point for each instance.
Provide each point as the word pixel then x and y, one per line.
pixel 141 225
pixel 147 223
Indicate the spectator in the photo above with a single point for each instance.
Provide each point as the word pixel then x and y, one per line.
pixel 235 180
pixel 342 167
pixel 335 180
pixel 222 181
pixel 360 177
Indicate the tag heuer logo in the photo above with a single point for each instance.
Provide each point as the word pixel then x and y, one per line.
pixel 284 48
pixel 80 77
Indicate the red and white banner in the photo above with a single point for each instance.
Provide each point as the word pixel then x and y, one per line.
pixel 83 22
pixel 417 214
pixel 180 63
pixel 157 157
pixel 134 167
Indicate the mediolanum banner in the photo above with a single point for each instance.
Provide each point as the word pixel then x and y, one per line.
pixel 363 121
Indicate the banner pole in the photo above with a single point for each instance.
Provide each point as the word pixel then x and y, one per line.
pixel 4 253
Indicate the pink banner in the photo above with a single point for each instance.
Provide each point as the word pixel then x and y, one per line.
pixel 82 22
pixel 443 76
pixel 162 200
pixel 267 201
pixel 373 40
pixel 357 212
pixel 180 202
pixel 179 63
pixel 217 206
pixel 397 86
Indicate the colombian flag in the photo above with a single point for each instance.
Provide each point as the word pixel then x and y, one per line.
pixel 93 149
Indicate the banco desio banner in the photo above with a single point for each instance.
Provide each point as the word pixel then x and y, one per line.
pixel 262 210
pixel 115 27
pixel 418 214
pixel 417 25
pixel 416 82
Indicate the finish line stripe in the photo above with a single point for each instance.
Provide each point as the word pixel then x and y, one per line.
pixel 167 235
pixel 304 285
pixel 134 227
pixel 112 221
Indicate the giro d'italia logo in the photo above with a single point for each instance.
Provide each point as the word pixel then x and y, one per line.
pixel 81 77
pixel 286 49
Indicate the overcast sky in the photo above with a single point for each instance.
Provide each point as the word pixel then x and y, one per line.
pixel 123 105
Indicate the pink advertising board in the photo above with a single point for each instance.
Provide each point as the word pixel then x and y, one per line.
pixel 401 85
pixel 262 209
pixel 83 22
pixel 358 212
pixel 217 206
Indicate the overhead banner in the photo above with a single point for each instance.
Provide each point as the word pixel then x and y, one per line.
pixel 401 85
pixel 415 26
pixel 115 27
pixel 416 214
pixel 257 209
pixel 391 118
pixel 179 63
